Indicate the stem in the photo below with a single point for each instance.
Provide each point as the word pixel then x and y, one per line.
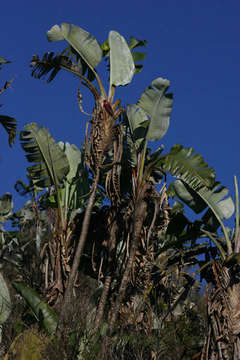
pixel 111 93
pixel 236 239
pixel 78 254
pixel 220 249
pixel 108 278
pixel 140 213
pixel 142 161
pixel 90 85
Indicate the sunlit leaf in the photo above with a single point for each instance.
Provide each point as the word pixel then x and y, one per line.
pixel 158 105
pixel 202 197
pixel 122 66
pixel 189 167
pixel 83 42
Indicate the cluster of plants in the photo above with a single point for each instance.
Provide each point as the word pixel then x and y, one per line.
pixel 102 261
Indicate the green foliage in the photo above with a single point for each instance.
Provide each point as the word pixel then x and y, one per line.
pixel 50 64
pixel 80 40
pixel 5 301
pixel 75 187
pixel 9 124
pixel 138 248
pixel 189 167
pixel 158 105
pixel 122 66
pixel 51 164
pixel 42 311
pixel 137 56
pixel 29 345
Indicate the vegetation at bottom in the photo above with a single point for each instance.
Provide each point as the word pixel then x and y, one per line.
pixel 102 261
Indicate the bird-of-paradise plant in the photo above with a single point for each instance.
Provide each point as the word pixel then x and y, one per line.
pixel 81 57
pixel 125 142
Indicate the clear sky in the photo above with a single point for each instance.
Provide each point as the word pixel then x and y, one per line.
pixel 195 44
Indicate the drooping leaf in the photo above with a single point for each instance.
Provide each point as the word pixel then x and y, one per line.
pixel 189 167
pixel 213 198
pixel 158 105
pixel 122 66
pixel 138 123
pixel 51 163
pixel 76 184
pixel 51 64
pixel 43 312
pixel 83 43
pixel 9 124
pixel 5 301
pixel 189 196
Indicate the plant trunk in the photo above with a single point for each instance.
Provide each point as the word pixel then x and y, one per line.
pixel 82 239
pixel 108 279
pixel 139 216
pixel 222 341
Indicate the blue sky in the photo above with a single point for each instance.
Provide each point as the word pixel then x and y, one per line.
pixel 195 44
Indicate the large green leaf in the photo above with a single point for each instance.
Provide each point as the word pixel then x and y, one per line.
pixel 158 105
pixel 51 163
pixel 137 56
pixel 5 301
pixel 76 184
pixel 43 312
pixel 122 66
pixel 138 122
pixel 189 167
pixel 188 196
pixel 213 198
pixel 81 41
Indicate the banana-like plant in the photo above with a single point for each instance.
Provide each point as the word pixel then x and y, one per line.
pixel 57 166
pixel 50 162
pixel 224 293
pixel 149 120
pixel 82 56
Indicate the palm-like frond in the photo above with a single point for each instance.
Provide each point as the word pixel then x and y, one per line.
pixel 51 163
pixel 9 124
pixel 189 167
pixel 51 64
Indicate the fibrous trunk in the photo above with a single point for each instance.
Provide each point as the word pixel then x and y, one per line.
pixel 222 341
